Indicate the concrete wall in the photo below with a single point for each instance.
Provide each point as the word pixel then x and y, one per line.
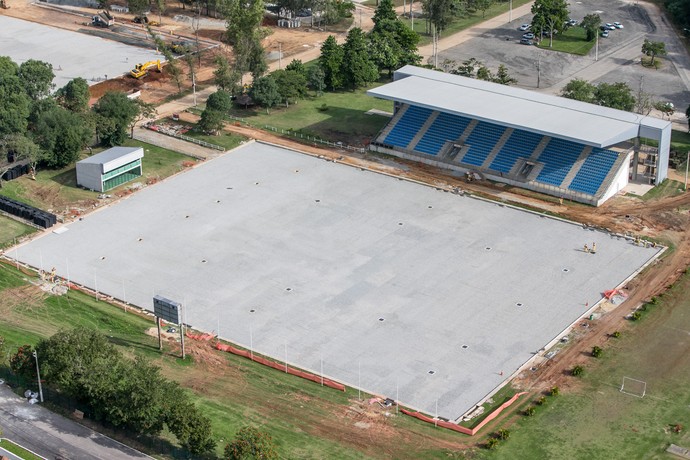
pixel 89 176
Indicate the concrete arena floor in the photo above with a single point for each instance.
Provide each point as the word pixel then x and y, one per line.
pixel 77 54
pixel 381 280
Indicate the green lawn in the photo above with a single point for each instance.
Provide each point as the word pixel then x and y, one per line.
pixel 17 450
pixel 11 229
pixel 573 41
pixel 339 116
pixel 56 189
pixel 226 140
pixel 594 420
pixel 667 188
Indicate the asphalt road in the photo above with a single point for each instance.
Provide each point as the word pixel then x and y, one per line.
pixel 53 436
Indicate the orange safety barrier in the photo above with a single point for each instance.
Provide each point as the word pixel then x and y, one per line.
pixel 462 429
pixel 281 367
pixel 202 337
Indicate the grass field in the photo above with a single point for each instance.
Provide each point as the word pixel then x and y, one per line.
pixel 226 140
pixel 667 188
pixel 307 420
pixel 594 420
pixel 11 229
pixel 573 41
pixel 56 189
pixel 339 116
pixel 17 450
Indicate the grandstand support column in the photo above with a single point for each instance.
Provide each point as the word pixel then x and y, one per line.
pixel 636 159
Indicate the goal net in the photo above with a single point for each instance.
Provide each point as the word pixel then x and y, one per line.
pixel 633 387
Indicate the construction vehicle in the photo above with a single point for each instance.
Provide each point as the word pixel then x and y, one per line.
pixel 143 19
pixel 141 70
pixel 103 19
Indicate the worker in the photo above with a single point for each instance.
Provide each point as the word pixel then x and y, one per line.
pixel 594 248
pixel 586 248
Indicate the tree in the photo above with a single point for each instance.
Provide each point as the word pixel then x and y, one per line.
pixel 137 7
pixel 357 68
pixel 666 108
pixel 555 391
pixel 385 11
pixel 220 101
pixel 331 62
pixel 297 66
pixel 291 85
pixel 502 77
pixel 37 78
pixel 591 24
pixel 22 362
pixel 503 434
pixel 393 44
pixel 115 114
pixel 160 6
pixel 189 426
pixel 244 33
pixel 8 66
pixel 265 92
pixel 597 351
pixel 74 96
pixel 251 443
pixel 316 80
pixel 211 121
pixel 549 14
pixel 615 95
pixel 653 49
pixel 483 5
pixel 440 15
pixel 146 111
pixel 15 106
pixel 23 149
pixel 468 68
pixel 577 371
pixel 62 135
pixel 227 79
pixel 491 443
pixel 580 90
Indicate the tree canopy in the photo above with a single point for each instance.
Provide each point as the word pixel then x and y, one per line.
pixel 265 92
pixel 331 62
pixel 74 96
pixel 115 113
pixel 614 95
pixel 63 134
pixel 37 78
pixel 653 49
pixel 591 24
pixel 251 444
pixel 357 68
pixel 549 15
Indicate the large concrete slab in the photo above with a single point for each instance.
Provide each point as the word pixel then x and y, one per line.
pixel 379 279
pixel 72 54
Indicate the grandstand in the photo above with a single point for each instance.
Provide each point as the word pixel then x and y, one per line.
pixel 549 144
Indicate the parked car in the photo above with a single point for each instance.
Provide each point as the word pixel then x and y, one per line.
pixel 605 34
pixel 528 36
pixel 524 27
pixel 618 25
pixel 610 26
pixel 572 22
pixel 526 41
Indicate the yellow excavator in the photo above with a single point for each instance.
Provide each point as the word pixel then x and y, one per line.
pixel 141 70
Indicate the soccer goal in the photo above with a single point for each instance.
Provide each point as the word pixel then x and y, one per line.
pixel 634 387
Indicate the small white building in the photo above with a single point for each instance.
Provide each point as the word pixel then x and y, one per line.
pixel 110 168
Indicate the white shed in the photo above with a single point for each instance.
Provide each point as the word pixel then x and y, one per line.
pixel 110 168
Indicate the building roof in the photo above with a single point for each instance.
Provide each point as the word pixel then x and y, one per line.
pixel 514 107
pixel 111 154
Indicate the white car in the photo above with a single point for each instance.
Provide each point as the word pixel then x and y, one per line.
pixel 524 27
pixel 528 36
pixel 610 26
pixel 573 22
pixel 618 25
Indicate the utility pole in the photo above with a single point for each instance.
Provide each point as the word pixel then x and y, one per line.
pixel 38 374
pixel 280 55
pixel 686 172
pixel 538 70
pixel 510 16
pixel 596 48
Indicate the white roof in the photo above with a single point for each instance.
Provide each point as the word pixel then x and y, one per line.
pixel 114 157
pixel 514 107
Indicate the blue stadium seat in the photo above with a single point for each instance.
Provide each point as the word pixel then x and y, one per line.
pixel 446 127
pixel 558 157
pixel 482 140
pixel 520 144
pixel 407 126
pixel 593 171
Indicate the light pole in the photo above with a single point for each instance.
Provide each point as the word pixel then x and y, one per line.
pixel 596 48
pixel 280 55
pixel 38 374
pixel 510 16
pixel 686 172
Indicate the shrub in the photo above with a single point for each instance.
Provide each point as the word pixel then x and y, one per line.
pixel 555 391
pixel 577 371
pixel 615 334
pixel 541 401
pixel 530 411
pixel 323 107
pixel 503 434
pixel 491 443
pixel 597 351
pixel 636 316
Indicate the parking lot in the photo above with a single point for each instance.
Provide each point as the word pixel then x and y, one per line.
pixel 618 55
